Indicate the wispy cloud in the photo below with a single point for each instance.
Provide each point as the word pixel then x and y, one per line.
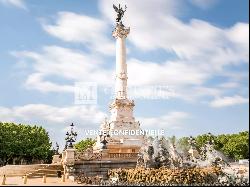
pixel 47 115
pixel 202 53
pixel 171 120
pixel 16 3
pixel 83 29
pixel 154 26
pixel 229 101
pixel 67 64
pixel 204 4
pixel 54 119
pixel 57 119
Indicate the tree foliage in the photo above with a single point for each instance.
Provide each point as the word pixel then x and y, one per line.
pixel 23 143
pixel 84 144
pixel 234 146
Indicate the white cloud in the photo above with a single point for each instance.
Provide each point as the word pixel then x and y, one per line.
pixel 204 4
pixel 46 115
pixel 196 93
pixel 36 81
pixel 55 119
pixel 75 66
pixel 171 120
pixel 78 66
pixel 147 8
pixel 230 85
pixel 239 36
pixel 164 73
pixel 83 115
pixel 92 32
pixel 153 26
pixel 66 64
pixel 17 3
pixel 203 51
pixel 5 114
pixel 229 101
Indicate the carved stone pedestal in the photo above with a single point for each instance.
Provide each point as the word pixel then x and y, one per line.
pixel 56 159
pixel 68 160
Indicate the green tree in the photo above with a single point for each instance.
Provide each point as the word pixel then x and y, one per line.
pixel 23 142
pixel 222 140
pixel 237 146
pixel 201 140
pixel 84 144
pixel 234 146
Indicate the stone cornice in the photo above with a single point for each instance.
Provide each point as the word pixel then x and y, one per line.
pixel 120 31
pixel 122 103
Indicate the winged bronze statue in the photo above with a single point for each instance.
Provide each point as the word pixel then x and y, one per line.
pixel 120 12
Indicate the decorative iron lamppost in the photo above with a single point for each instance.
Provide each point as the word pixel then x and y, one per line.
pixel 66 145
pixel 57 149
pixel 70 137
pixel 104 141
pixel 210 140
pixel 192 141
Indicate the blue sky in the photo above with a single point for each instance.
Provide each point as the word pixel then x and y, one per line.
pixel 198 48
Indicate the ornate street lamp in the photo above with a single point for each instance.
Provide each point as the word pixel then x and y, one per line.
pixel 192 141
pixel 66 146
pixel 104 141
pixel 70 137
pixel 210 140
pixel 104 145
pixel 57 148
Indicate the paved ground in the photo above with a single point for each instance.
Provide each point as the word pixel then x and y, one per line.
pixel 51 181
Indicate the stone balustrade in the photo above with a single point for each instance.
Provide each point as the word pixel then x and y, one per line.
pixel 123 155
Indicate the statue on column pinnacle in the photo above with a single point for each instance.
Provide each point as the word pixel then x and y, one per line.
pixel 120 13
pixel 120 30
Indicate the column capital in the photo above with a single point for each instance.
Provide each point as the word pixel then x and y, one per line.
pixel 120 31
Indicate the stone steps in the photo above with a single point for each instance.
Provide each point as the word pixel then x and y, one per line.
pixel 50 172
pixel 100 168
pixel 41 174
pixel 21 170
pixel 18 170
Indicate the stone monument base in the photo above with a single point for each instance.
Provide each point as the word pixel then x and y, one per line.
pixel 101 167
pixel 118 147
pixel 131 146
pixel 56 159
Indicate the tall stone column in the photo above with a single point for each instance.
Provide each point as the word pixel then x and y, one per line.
pixel 120 33
pixel 121 108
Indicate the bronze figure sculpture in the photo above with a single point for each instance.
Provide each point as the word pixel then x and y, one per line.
pixel 120 12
